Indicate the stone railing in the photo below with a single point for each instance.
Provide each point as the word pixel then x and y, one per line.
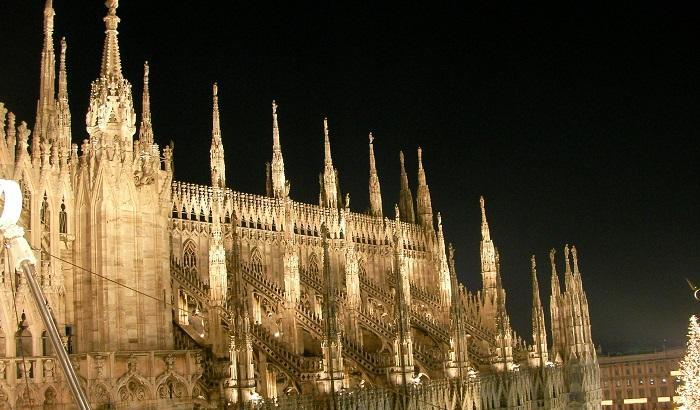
pixel 262 283
pixel 33 369
pixel 376 290
pixel 432 357
pixel 282 354
pixel 310 279
pixel 375 323
pixel 371 362
pixel 431 325
pixel 425 296
pixel 189 281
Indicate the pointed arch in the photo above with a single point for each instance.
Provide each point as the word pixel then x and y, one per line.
pixel 23 339
pixel 50 398
pixel 256 264
pixel 63 218
pixel 99 394
pixel 133 389
pixel 313 264
pixel 189 256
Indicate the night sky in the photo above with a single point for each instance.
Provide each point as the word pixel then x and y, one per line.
pixel 578 124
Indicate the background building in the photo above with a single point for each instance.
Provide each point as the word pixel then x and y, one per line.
pixel 640 381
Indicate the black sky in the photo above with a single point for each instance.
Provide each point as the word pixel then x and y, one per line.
pixel 578 124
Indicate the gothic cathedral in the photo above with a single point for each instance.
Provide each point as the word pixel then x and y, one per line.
pixel 172 295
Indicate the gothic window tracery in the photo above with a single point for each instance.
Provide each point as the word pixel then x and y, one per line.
pixel 171 389
pixel 256 261
pixel 313 264
pixel 189 257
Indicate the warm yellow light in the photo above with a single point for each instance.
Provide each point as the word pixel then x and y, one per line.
pixel 606 403
pixel 636 401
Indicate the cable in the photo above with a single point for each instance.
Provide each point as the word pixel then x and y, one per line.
pixel 125 286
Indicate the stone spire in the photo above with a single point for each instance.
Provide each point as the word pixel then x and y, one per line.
pixel 579 344
pixel 331 377
pixel 111 118
pixel 329 176
pixel 539 354
pixel 488 255
pixel 216 152
pixel 402 371
pixel 146 128
pixel 424 207
pixel 217 256
pixel 45 104
pixel 111 61
pixel 280 187
pixel 405 197
pixel 555 305
pixel 445 286
pixel 568 275
pixel 502 360
pixel 458 364
pixel 62 106
pixel 375 193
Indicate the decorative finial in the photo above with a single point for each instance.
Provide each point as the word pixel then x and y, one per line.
pixel 112 6
pixel 574 255
pixel 420 157
pixel 215 89
pixel 401 160
pixel 396 211
pixel 274 107
pixel 371 138
pixel 533 264
pixel 566 258
pixel 439 219
pixel 551 259
pixel 145 72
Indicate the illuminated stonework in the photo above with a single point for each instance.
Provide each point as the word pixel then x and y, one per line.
pixel 176 295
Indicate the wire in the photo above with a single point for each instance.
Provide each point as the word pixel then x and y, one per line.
pixel 165 302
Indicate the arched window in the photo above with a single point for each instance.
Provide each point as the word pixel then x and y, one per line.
pixel 23 339
pixel 189 257
pixel 313 264
pixel 46 349
pixel 361 268
pixel 256 261
pixel 45 214
pixel 63 219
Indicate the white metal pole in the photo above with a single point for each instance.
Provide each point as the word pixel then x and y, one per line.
pixel 23 256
